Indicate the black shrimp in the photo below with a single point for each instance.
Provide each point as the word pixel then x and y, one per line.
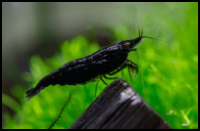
pixel 108 60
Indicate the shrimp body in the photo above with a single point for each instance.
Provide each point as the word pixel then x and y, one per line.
pixel 107 61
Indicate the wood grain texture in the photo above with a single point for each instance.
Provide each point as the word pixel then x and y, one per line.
pixel 119 106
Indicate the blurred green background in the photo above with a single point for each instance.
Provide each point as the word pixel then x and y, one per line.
pixel 37 38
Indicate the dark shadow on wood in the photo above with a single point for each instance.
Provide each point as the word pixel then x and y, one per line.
pixel 119 106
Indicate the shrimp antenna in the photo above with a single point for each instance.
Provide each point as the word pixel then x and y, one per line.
pixel 139 30
pixel 140 35
pixel 151 38
pixel 142 32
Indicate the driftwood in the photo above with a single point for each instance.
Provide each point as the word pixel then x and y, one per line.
pixel 119 106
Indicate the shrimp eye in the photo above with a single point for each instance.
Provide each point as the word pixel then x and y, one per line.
pixel 126 46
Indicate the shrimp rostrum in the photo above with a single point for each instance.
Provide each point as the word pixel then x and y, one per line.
pixel 107 61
